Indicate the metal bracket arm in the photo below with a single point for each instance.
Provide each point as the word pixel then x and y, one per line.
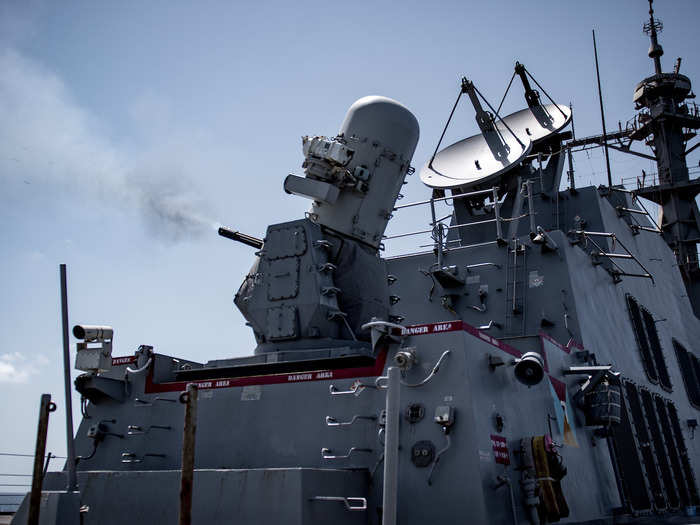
pixel 586 370
pixel 326 453
pixel 130 457
pixel 355 389
pixel 383 324
pixel 145 403
pixel 333 422
pixel 134 430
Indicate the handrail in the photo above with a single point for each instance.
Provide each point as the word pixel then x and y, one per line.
pixel 326 453
pixel 648 179
pixel 355 389
pixel 333 422
pixel 351 503
pixel 446 250
pixel 451 197
pixel 480 265
pixel 386 324
pixel 438 229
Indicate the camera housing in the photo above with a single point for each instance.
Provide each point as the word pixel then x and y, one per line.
pixel 94 352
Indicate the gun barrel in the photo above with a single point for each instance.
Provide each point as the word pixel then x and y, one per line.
pixel 241 237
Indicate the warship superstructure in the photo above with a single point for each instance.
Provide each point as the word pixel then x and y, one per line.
pixel 535 362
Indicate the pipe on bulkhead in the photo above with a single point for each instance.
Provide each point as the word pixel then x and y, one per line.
pixel 391 446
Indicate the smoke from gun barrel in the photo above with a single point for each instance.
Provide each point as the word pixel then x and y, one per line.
pixel 241 237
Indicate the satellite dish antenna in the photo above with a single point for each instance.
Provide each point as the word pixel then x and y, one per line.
pixel 478 159
pixel 538 121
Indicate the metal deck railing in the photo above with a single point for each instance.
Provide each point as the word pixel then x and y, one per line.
pixel 647 180
pixel 439 231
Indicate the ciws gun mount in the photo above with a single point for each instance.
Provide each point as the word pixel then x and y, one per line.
pixel 301 292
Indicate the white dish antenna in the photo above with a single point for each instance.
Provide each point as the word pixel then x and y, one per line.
pixel 503 142
pixel 480 158
pixel 539 122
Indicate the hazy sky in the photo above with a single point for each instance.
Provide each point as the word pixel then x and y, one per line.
pixel 129 129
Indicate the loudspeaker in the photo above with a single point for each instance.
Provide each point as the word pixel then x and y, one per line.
pixel 529 369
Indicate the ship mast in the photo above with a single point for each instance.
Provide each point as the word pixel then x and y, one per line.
pixel 666 122
pixel 652 28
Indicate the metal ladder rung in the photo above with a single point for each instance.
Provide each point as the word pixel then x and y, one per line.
pixel 614 255
pixel 351 503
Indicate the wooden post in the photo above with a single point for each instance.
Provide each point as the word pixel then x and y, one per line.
pixel 45 407
pixel 189 398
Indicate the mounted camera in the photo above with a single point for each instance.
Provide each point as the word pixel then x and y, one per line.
pixel 94 353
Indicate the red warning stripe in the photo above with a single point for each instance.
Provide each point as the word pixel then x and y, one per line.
pixel 451 326
pixel 433 328
pixel 271 379
pixel 455 326
pixel 340 373
pixel 126 360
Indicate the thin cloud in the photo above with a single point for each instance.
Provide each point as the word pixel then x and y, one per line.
pixel 16 368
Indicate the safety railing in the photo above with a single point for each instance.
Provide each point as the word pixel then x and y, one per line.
pixel 647 180
pixel 439 231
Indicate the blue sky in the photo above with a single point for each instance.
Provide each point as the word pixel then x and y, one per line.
pixel 129 129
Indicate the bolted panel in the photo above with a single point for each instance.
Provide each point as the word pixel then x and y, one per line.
pixel 285 242
pixel 281 323
pixel 283 281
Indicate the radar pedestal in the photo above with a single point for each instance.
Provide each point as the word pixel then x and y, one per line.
pixel 499 158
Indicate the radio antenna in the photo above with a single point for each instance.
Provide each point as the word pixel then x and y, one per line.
pixel 602 113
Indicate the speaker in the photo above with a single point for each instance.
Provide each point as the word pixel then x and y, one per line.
pixel 529 369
